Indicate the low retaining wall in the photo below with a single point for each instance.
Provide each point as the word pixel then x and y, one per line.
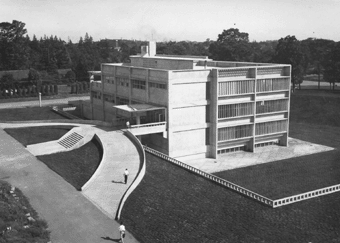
pixel 306 195
pixel 139 176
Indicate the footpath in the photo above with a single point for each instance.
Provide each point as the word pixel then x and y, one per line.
pixel 70 216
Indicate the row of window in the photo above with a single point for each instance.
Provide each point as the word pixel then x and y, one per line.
pixel 272 84
pixel 270 127
pixel 229 133
pixel 271 106
pixel 245 109
pixel 109 79
pixel 242 131
pixel 236 87
pixel 157 85
pixel 234 110
pixel 138 84
pixel 247 86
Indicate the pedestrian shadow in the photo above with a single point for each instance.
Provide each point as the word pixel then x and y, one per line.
pixel 110 239
pixel 121 182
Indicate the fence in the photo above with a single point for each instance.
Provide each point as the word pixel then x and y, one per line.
pixel 306 195
pixel 213 178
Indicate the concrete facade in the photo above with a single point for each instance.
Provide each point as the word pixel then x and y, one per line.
pixel 209 107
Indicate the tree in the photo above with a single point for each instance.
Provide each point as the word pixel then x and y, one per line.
pixel 14 52
pixel 231 45
pixel 289 51
pixel 7 79
pixel 70 76
pixel 317 48
pixel 33 75
pixel 332 64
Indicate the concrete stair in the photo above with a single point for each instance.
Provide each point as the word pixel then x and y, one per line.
pixel 70 140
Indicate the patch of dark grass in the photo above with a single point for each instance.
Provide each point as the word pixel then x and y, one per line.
pixel 174 205
pixel 317 110
pixel 314 133
pixel 15 226
pixel 76 166
pixel 29 114
pixel 33 135
pixel 288 177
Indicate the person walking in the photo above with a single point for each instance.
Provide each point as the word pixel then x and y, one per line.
pixel 122 232
pixel 126 174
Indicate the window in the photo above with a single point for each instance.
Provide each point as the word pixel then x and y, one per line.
pixel 157 85
pixel 229 133
pixel 234 110
pixel 235 87
pixel 122 81
pixel 138 84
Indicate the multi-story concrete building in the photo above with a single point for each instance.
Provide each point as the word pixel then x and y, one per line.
pixel 193 107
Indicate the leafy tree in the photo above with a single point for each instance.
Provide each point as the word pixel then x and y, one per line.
pixel 317 50
pixel 14 53
pixel 7 79
pixel 289 51
pixel 33 75
pixel 231 45
pixel 70 76
pixel 332 64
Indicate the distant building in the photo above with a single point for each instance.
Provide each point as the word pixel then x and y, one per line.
pixel 193 107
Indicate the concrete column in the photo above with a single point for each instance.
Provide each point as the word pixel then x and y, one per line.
pixel 138 119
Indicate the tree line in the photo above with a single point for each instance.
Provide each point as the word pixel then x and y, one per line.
pixel 44 57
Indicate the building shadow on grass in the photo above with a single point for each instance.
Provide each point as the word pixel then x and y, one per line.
pixel 110 239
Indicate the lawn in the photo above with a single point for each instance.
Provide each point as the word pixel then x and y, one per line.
pixel 15 223
pixel 174 205
pixel 29 114
pixel 288 177
pixel 76 166
pixel 33 135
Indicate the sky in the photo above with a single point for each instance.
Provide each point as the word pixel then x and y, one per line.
pixel 175 20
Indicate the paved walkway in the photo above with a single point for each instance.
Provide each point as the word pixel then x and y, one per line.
pixel 261 155
pixel 69 216
pixel 44 102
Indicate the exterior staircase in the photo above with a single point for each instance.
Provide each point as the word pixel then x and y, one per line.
pixel 70 140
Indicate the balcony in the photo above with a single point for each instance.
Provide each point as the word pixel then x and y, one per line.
pixel 148 128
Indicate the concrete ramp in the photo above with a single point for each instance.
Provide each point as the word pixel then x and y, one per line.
pixel 106 187
pixel 73 139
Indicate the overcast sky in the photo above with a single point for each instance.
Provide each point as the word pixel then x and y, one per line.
pixel 177 20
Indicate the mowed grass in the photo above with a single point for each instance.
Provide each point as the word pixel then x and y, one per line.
pixel 33 135
pixel 174 205
pixel 29 114
pixel 76 166
pixel 290 176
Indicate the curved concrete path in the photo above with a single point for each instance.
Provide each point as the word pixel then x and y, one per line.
pixel 69 216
